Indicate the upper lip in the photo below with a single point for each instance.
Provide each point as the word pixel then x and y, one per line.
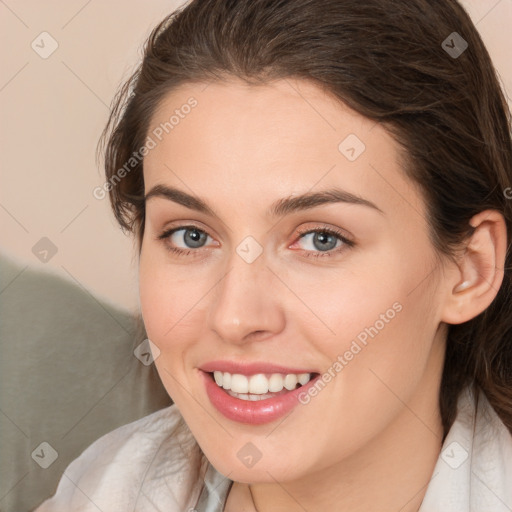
pixel 245 368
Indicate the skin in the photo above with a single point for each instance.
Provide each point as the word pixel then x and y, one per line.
pixel 373 434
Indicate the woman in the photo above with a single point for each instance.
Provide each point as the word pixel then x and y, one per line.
pixel 320 195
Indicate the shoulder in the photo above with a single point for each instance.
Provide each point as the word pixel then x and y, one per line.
pixel 154 459
pixel 491 468
pixel 474 469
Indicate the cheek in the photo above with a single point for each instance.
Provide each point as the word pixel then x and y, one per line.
pixel 380 316
pixel 170 318
pixel 167 297
pixel 346 303
pixel 391 346
pixel 154 295
pixel 174 302
pixel 384 325
pixel 164 289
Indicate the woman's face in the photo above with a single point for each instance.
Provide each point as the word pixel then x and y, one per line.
pixel 265 285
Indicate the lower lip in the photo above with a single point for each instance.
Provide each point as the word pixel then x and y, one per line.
pixel 253 413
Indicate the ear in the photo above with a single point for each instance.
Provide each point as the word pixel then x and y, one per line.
pixel 479 272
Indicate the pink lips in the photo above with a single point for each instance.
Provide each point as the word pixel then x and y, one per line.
pixel 252 412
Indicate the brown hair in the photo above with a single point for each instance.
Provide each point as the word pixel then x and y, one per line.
pixel 387 60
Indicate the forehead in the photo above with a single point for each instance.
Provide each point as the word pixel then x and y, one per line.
pixel 270 140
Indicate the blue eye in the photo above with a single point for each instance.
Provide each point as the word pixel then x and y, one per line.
pixel 321 242
pixel 324 242
pixel 191 236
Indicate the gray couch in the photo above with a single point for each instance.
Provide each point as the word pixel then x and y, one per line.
pixel 68 375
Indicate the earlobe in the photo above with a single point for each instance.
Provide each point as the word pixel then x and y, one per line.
pixel 480 269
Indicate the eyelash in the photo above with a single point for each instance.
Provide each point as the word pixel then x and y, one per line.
pixel 308 254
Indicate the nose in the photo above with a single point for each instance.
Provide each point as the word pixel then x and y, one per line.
pixel 246 303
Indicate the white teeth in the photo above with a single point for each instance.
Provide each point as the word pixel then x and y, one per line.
pixel 290 381
pixel 275 383
pixel 218 378
pixel 258 384
pixel 249 397
pixel 255 386
pixel 304 378
pixel 226 380
pixel 239 383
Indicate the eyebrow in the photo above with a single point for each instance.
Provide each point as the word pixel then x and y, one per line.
pixel 279 208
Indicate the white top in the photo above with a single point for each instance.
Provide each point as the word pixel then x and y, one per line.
pixel 154 464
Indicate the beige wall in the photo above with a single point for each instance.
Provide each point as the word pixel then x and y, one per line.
pixel 52 113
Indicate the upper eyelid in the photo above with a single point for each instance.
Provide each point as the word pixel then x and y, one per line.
pixel 171 229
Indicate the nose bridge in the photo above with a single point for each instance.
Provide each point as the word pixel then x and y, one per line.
pixel 243 300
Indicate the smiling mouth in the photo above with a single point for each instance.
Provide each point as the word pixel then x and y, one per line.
pixel 259 386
